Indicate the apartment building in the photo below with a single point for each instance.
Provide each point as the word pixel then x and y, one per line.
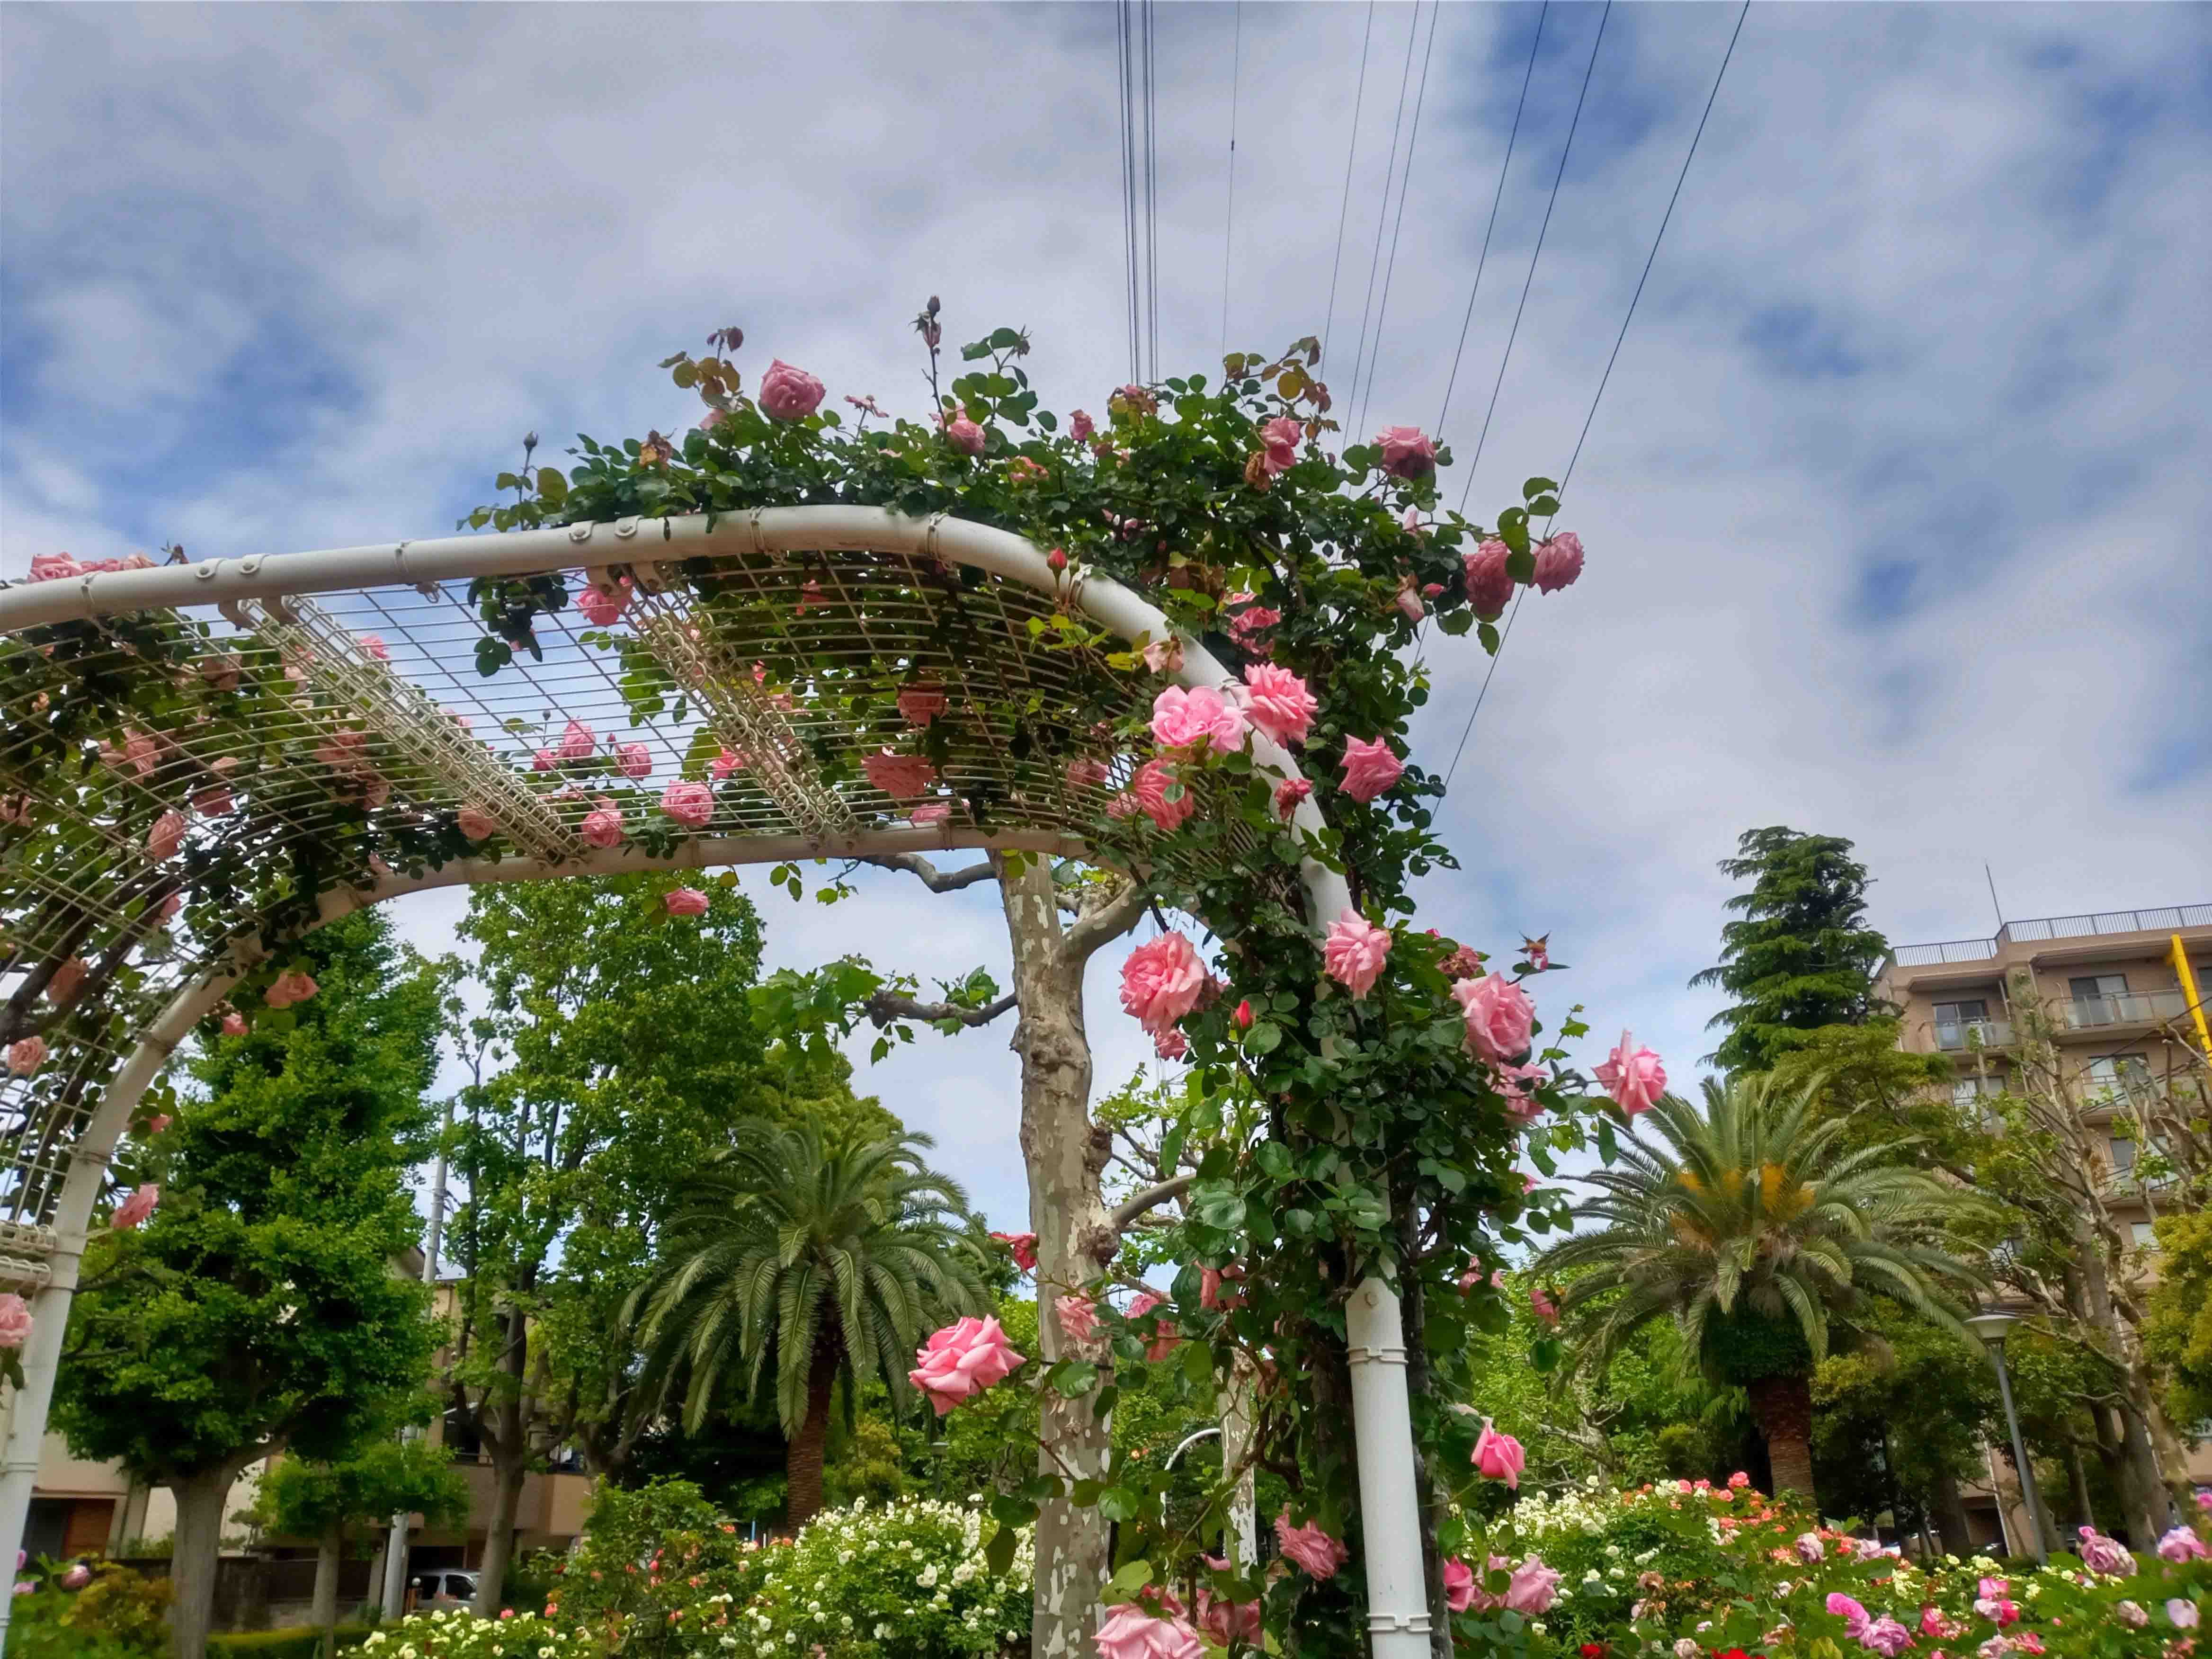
pixel 2114 1003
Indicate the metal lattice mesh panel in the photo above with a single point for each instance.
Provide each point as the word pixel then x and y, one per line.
pixel 176 784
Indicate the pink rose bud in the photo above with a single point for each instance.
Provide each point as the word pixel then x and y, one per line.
pixel 1081 426
pixel 374 645
pixel 1288 794
pixel 1499 1456
pixel 1057 559
pixel 1243 1015
pixel 1558 561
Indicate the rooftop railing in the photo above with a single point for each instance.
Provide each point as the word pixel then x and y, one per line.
pixel 2171 919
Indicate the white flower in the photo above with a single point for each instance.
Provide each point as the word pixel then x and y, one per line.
pixel 883 1632
pixel 927 1578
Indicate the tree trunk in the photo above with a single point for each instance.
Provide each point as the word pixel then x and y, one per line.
pixel 802 1458
pixel 322 1613
pixel 1239 1429
pixel 1075 1241
pixel 1782 1408
pixel 1950 1507
pixel 197 1544
pixel 2077 1483
pixel 508 1474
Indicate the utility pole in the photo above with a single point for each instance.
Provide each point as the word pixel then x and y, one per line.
pixel 395 1548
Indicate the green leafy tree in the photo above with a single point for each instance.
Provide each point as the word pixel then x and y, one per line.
pixel 810 1266
pixel 2177 1332
pixel 1801 956
pixel 1752 1225
pixel 260 1308
pixel 321 1501
pixel 615 1052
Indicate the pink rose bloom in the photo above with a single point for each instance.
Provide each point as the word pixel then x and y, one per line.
pixel 1489 584
pixel 1081 773
pixel 1370 767
pixel 1533 1588
pixel 477 824
pixel 1499 1016
pixel 1558 561
pixel 1281 437
pixel 1412 524
pixel 294 984
pixel 1080 427
pixel 76 1577
pixel 903 777
pixel 603 606
pixel 578 742
pixel 2182 1545
pixel 1632 1076
pixel 131 1213
pixel 1122 805
pixel 1171 1044
pixel 1246 627
pixel 1407 452
pixel 1499 1456
pixel 25 1056
pixel 686 902
pixel 1164 656
pixel 1354 952
pixel 723 764
pixel 2203 1495
pixel 2183 1613
pixel 1228 1621
pixel 215 801
pixel 170 906
pixel 1885 1637
pixel 53 567
pixel 1409 599
pixel 61 985
pixel 1133 1632
pixel 233 1025
pixel 965 435
pixel 1200 717
pixel 1279 702
pixel 166 835
pixel 690 802
pixel 1150 787
pixel 2104 1555
pixel 1162 982
pixel 544 760
pixel 918 705
pixel 1309 1547
pixel 220 673
pixel 1022 1247
pixel 929 817
pixel 1935 1626
pixel 1216 1288
pixel 1288 794
pixel 1842 1606
pixel 373 644
pixel 157 1124
pixel 1165 1340
pixel 1078 1318
pixel 962 1359
pixel 1458 1585
pixel 633 760
pixel 15 1320
pixel 1541 1299
pixel 1810 1548
pixel 788 393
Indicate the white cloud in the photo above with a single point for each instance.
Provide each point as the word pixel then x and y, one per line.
pixel 1895 502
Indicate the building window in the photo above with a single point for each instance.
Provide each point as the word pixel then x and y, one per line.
pixel 2099 999
pixel 1961 1023
pixel 2112 1074
pixel 2146 1235
pixel 1957 1013
pixel 1965 1090
pixel 2124 1155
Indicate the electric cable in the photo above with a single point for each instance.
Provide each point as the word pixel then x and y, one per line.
pixel 1382 212
pixel 1405 181
pixel 1229 213
pixel 1358 97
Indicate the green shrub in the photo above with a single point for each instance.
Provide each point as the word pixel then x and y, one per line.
pixel 301 1643
pixel 457 1634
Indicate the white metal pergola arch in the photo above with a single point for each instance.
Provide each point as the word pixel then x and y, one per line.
pixel 714 602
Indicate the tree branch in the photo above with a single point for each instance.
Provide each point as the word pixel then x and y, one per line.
pixel 1107 923
pixel 1151 1198
pixel 883 1007
pixel 938 881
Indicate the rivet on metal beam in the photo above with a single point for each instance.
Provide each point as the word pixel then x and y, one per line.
pixel 625 528
pixel 581 532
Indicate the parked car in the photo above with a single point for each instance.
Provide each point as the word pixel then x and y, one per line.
pixel 447 1587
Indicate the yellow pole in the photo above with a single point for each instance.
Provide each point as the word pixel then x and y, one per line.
pixel 2189 989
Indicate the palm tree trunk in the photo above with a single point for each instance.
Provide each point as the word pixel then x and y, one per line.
pixel 1782 1408
pixel 802 1459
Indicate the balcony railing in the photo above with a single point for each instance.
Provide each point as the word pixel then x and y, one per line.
pixel 2171 919
pixel 2128 1008
pixel 1973 1033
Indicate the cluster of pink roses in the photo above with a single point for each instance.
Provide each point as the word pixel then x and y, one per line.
pixel 132 1212
pixel 57 567
pixel 15 1320
pixel 1530 1590
pixel 294 984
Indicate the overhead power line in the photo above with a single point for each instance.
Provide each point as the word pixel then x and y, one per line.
pixel 1529 282
pixel 1498 195
pixel 1229 213
pixel 1382 213
pixel 1405 180
pixel 1151 193
pixel 1727 57
pixel 1359 96
pixel 1124 53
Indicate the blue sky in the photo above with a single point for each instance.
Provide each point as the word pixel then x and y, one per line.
pixel 1897 503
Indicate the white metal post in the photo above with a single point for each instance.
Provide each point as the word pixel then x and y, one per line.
pixel 1389 1506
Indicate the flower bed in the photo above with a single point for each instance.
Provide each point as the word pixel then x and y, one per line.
pixel 1697 1568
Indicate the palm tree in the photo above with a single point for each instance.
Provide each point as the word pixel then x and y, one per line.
pixel 1760 1231
pixel 831 1264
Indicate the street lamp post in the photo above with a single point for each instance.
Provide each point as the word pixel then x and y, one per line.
pixel 1992 1328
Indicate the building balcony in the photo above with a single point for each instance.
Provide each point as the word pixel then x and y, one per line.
pixel 1953 1037
pixel 2128 1008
